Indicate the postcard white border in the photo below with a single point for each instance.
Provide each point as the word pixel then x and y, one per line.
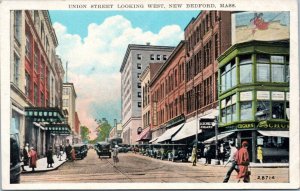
pixel 249 5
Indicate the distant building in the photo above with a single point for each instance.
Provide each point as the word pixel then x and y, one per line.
pixel 136 59
pixel 69 103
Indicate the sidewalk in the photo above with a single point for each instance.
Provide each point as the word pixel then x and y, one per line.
pixel 252 165
pixel 42 164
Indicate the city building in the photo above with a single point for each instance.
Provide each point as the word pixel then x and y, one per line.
pixel 167 90
pixel 69 103
pixel 254 96
pixel 136 59
pixel 77 129
pixel 116 131
pixel 144 134
pixel 207 36
pixel 36 118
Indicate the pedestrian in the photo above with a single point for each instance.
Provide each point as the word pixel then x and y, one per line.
pixel 73 154
pixel 69 152
pixel 222 153
pixel 260 154
pixel 208 155
pixel 194 155
pixel 205 155
pixel 50 160
pixel 115 155
pixel 32 158
pixel 25 157
pixel 242 159
pixel 231 159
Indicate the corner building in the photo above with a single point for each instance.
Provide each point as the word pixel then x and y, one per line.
pixel 254 96
pixel 136 59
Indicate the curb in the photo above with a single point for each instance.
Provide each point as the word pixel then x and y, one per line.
pixel 46 170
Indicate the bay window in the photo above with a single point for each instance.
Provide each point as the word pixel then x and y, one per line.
pixel 246 110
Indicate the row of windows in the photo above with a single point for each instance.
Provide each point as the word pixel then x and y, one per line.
pixel 268 69
pixel 146 119
pixel 270 106
pixel 153 57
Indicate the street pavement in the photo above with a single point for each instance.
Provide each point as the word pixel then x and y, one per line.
pixel 137 168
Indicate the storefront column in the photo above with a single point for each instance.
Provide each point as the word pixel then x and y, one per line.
pixel 238 143
pixel 254 143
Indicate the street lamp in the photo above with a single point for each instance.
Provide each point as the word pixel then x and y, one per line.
pixel 215 124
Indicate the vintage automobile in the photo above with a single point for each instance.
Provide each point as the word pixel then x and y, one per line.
pixel 15 162
pixel 103 149
pixel 80 151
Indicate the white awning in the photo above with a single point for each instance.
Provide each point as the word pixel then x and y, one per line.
pixel 38 125
pixel 213 113
pixel 153 140
pixel 275 133
pixel 169 133
pixel 220 136
pixel 189 129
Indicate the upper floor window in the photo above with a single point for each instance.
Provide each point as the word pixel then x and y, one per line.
pixel 139 66
pixel 139 94
pixel 139 104
pixel 28 45
pixel 27 84
pixel 245 69
pixel 151 56
pixel 164 57
pixel 139 56
pixel 138 75
pixel 17 25
pixel 158 57
pixel 139 85
pixel 16 69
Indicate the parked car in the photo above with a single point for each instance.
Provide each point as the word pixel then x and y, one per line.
pixel 180 154
pixel 103 149
pixel 15 162
pixel 80 151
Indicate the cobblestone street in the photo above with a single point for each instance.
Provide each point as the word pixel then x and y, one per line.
pixel 137 168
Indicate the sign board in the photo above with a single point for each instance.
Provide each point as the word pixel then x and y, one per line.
pixel 263 95
pixel 246 126
pixel 278 96
pixel 272 125
pixel 206 123
pixel 260 141
pixel 245 96
pixel 263 26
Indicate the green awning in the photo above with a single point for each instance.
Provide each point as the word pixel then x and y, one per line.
pixel 58 128
pixel 45 114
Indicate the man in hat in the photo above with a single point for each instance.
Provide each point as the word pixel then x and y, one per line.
pixel 115 155
pixel 231 159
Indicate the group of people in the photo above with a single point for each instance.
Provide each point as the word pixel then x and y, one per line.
pixel 239 159
pixel 29 157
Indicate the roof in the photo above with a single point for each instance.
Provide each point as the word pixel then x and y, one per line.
pixel 145 48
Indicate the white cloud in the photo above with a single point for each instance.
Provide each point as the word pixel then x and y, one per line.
pixel 94 61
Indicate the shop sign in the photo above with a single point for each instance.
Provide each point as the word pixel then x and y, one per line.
pixel 279 96
pixel 260 141
pixel 206 123
pixel 245 126
pixel 272 125
pixel 263 95
pixel 245 96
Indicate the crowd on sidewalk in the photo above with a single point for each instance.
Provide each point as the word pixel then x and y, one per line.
pixel 29 156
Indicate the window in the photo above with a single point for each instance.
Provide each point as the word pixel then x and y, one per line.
pixel 27 84
pixel 139 85
pixel 42 99
pixel 263 108
pixel 278 110
pixel 138 75
pixel 165 57
pixel 139 94
pixel 228 111
pixel 36 61
pixel 28 45
pixel 42 32
pixel 42 72
pixel 278 73
pixel 17 25
pixel 158 57
pixel 35 94
pixel 36 19
pixel 277 59
pixel 16 69
pixel 263 72
pixel 246 73
pixel 287 73
pixel 139 66
pixel 139 104
pixel 246 110
pixel 151 56
pixel 139 56
pixel 65 103
pixel 228 76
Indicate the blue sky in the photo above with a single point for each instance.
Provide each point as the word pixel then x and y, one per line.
pixel 77 21
pixel 94 44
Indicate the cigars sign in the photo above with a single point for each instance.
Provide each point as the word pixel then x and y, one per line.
pixel 272 125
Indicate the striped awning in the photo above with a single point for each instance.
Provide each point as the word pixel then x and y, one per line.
pixel 144 135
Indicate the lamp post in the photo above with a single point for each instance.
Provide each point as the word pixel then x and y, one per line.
pixel 215 124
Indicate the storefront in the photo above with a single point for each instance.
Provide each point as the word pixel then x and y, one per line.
pixel 44 126
pixel 254 94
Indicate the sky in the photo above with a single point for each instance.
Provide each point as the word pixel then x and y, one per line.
pixel 94 44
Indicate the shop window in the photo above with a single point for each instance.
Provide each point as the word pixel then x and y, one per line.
pixel 277 73
pixel 263 72
pixel 246 110
pixel 278 110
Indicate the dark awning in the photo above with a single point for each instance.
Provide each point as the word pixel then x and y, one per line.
pixel 45 114
pixel 58 128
